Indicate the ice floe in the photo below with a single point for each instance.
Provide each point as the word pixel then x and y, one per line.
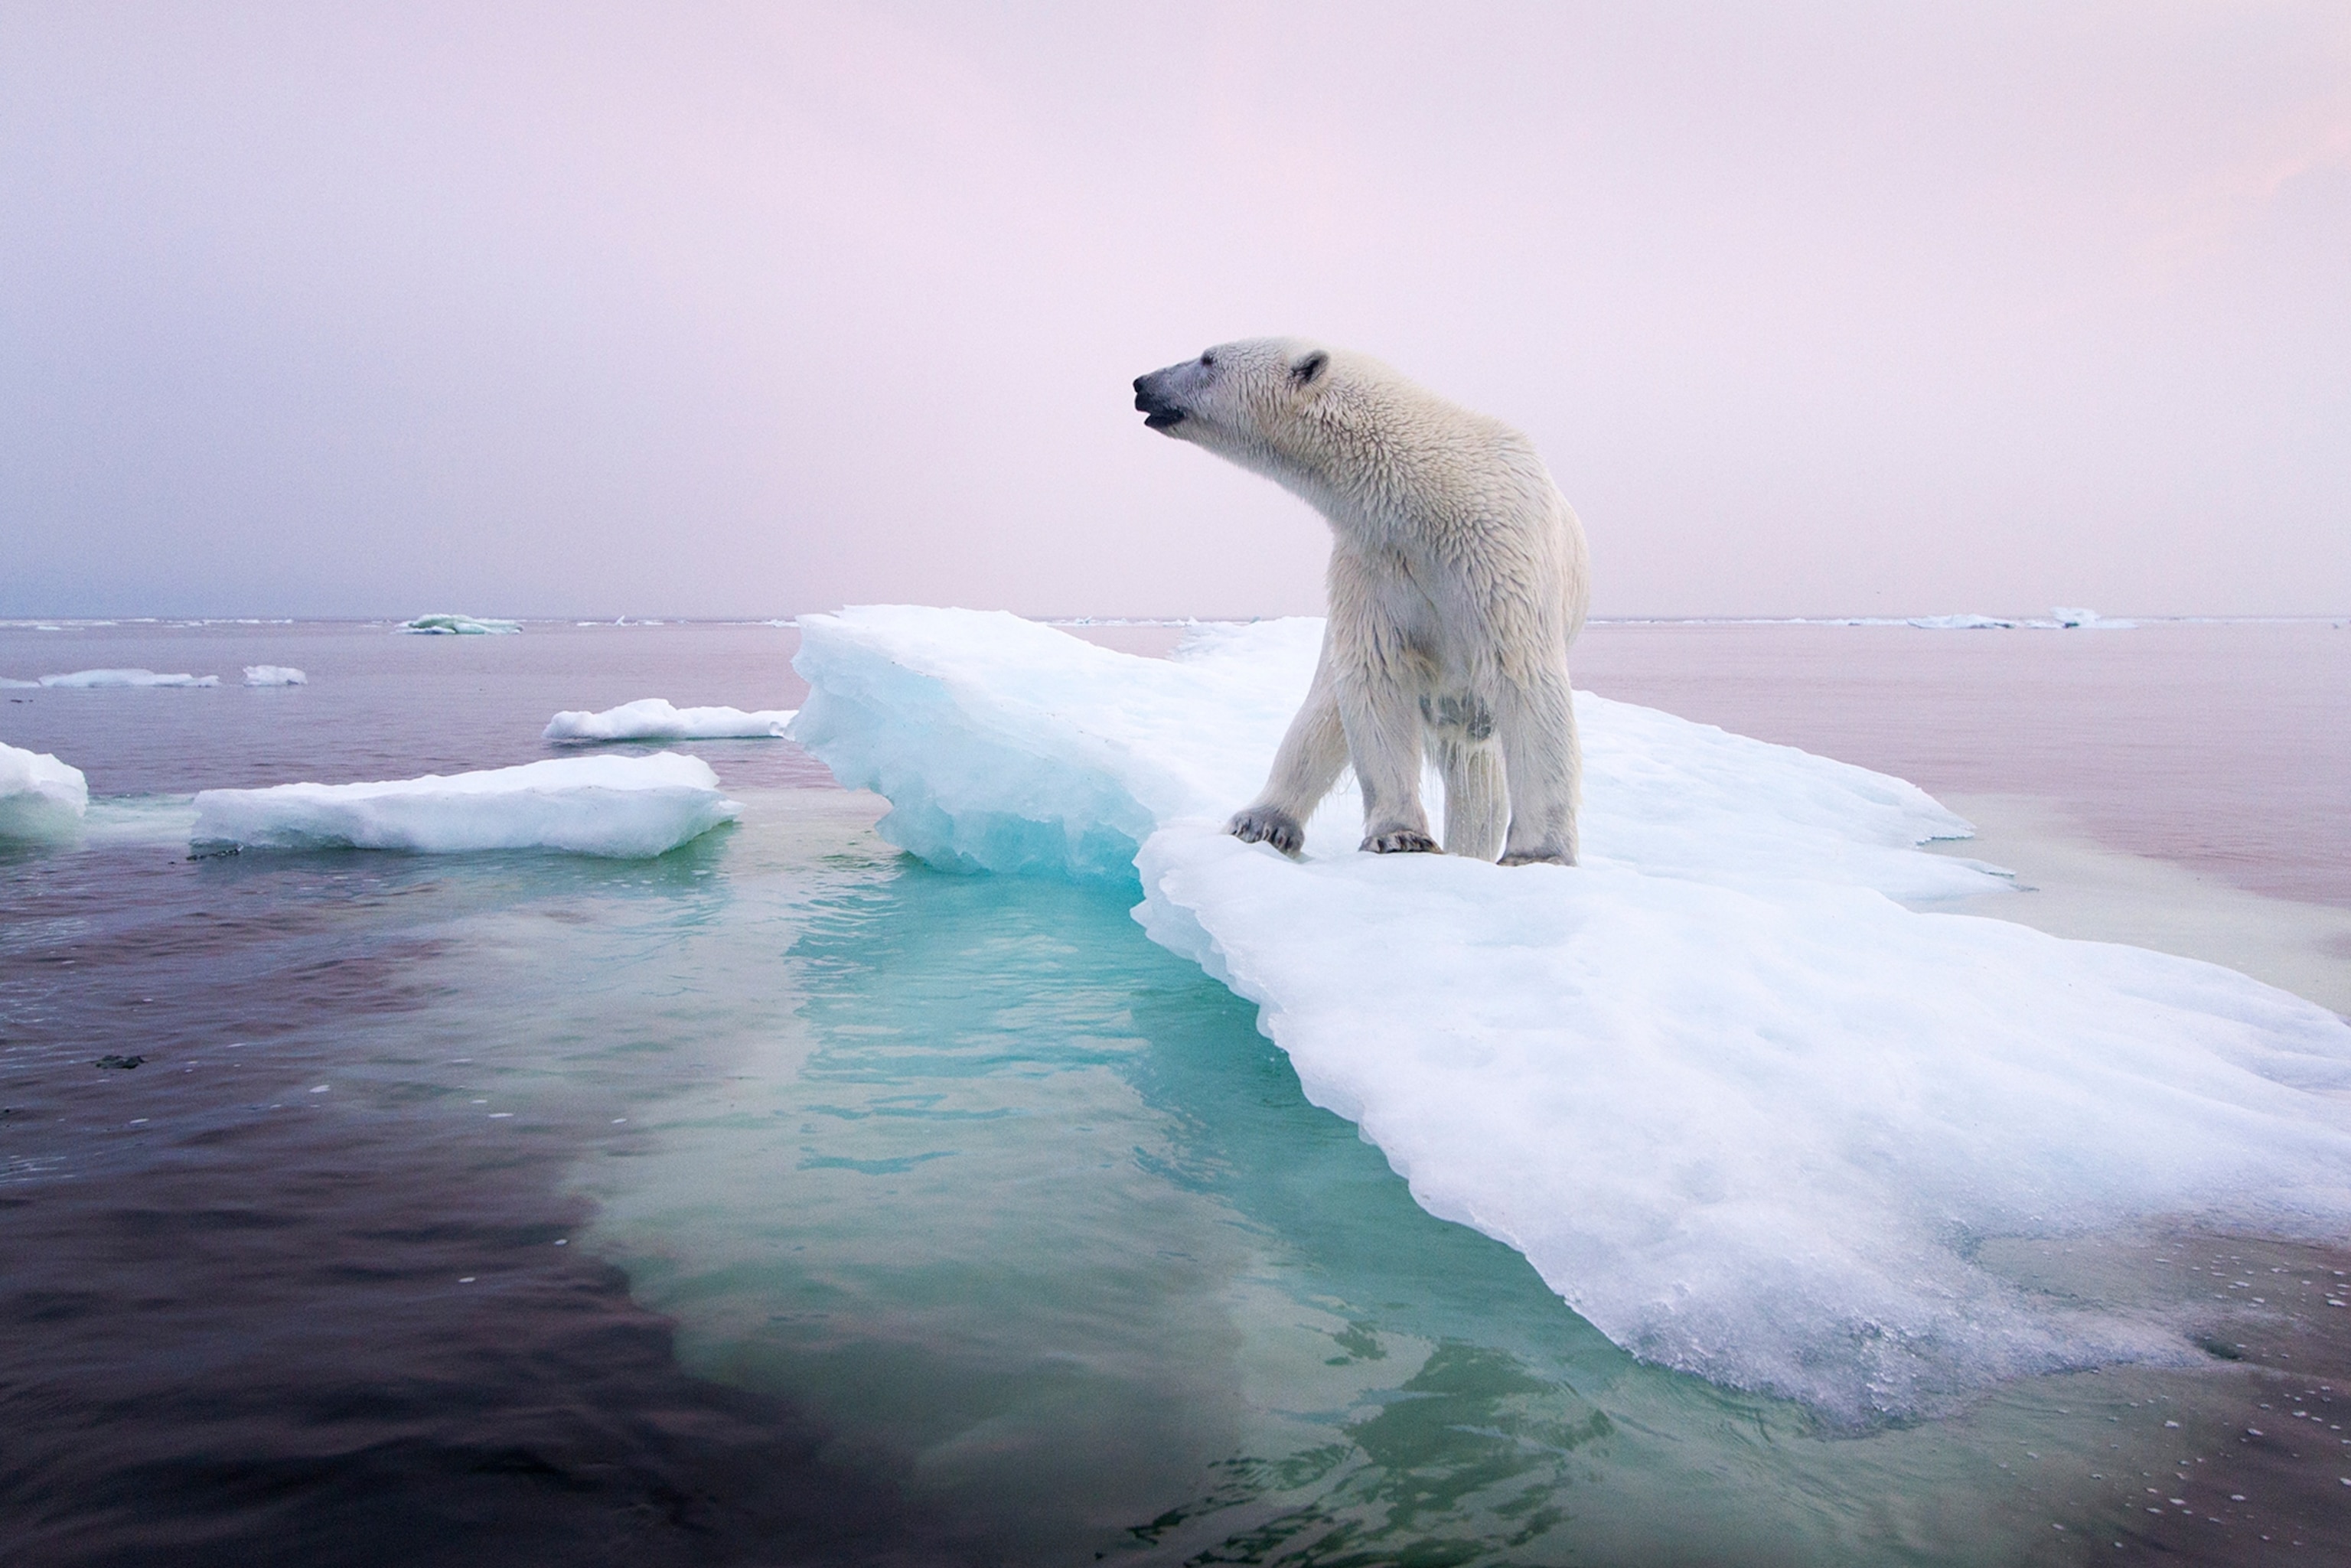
pixel 459 626
pixel 1744 1110
pixel 623 807
pixel 274 675
pixel 87 679
pixel 2082 620
pixel 2060 619
pixel 41 798
pixel 653 718
pixel 1003 745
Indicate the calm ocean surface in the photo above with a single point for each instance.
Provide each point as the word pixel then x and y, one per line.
pixel 784 1201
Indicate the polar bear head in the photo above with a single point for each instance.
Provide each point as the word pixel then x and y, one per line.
pixel 1261 403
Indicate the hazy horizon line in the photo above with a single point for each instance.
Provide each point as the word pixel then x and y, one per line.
pixel 575 618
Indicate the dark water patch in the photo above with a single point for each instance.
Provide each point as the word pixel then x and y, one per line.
pixel 267 1299
pixel 2262 1456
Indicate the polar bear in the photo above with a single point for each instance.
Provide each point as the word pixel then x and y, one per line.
pixel 1458 577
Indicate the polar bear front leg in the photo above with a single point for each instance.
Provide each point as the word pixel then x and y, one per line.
pixel 1536 724
pixel 1312 752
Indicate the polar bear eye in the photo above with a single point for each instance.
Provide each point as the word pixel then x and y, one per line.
pixel 1207 361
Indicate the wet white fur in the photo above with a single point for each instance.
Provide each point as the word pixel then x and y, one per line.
pixel 1458 577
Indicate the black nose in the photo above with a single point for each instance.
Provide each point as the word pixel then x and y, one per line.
pixel 1138 386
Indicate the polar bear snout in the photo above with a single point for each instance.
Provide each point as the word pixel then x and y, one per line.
pixel 1153 397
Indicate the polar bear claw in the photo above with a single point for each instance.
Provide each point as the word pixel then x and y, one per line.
pixel 1258 826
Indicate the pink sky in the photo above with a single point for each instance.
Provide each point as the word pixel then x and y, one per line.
pixel 753 310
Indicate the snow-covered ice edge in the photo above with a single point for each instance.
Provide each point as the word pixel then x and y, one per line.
pixel 1744 1110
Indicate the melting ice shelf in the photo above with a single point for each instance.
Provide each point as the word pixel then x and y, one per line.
pixel 1740 1106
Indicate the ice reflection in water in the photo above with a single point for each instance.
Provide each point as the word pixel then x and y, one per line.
pixel 1024 1208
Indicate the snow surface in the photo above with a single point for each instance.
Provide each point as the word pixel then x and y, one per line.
pixel 41 797
pixel 652 718
pixel 1745 1111
pixel 274 675
pixel 623 807
pixel 459 626
pixel 82 679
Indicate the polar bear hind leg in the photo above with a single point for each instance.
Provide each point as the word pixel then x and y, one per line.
pixel 1385 742
pixel 1469 761
pixel 1543 763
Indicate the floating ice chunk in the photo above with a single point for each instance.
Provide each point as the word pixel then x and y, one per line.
pixel 8 685
pixel 274 675
pixel 459 626
pixel 2060 619
pixel 652 718
pixel 1746 1113
pixel 2087 621
pixel 1003 745
pixel 82 679
pixel 1960 623
pixel 622 807
pixel 41 798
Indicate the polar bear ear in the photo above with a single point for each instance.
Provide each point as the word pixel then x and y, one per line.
pixel 1309 371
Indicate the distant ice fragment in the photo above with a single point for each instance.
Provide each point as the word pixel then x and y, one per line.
pixel 84 679
pixel 1960 623
pixel 652 718
pixel 274 675
pixel 1747 1113
pixel 2060 619
pixel 622 807
pixel 2086 620
pixel 41 798
pixel 459 626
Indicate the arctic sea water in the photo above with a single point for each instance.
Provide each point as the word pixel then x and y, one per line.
pixel 990 1232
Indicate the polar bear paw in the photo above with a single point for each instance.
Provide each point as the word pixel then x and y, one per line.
pixel 1400 841
pixel 1264 825
pixel 1537 857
